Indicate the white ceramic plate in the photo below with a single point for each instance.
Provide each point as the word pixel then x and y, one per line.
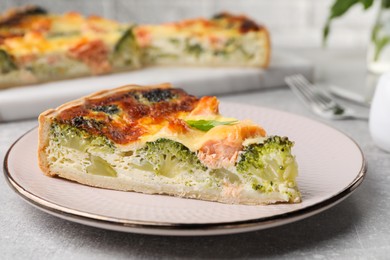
pixel 331 166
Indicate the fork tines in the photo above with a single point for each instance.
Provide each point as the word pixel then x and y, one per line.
pixel 319 100
pixel 309 92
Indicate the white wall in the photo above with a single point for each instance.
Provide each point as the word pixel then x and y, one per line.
pixel 292 23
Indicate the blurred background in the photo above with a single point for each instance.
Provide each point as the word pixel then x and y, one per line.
pixel 292 23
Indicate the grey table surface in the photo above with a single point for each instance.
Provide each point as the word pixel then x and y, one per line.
pixel 356 228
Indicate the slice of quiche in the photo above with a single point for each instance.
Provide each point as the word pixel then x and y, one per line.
pixel 36 46
pixel 161 140
pixel 224 40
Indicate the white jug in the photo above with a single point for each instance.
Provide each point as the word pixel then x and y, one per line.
pixel 379 121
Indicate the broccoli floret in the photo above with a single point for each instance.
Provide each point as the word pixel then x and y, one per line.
pixel 6 62
pixel 126 49
pixel 271 160
pixel 193 48
pixel 158 95
pixel 108 109
pixel 169 158
pixel 72 137
pixel 151 96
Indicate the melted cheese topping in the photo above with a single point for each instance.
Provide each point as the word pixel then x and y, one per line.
pixel 37 34
pixel 40 34
pixel 225 39
pixel 131 117
pixel 223 26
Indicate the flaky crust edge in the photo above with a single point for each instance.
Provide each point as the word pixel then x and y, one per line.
pixel 46 118
pixel 267 48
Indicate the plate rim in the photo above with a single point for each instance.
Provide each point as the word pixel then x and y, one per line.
pixel 166 228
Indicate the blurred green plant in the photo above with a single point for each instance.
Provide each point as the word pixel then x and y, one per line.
pixel 340 7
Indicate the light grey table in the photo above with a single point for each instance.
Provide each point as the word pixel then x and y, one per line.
pixel 358 227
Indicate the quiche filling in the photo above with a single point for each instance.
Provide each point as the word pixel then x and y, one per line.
pixel 36 46
pixel 160 140
pixel 221 40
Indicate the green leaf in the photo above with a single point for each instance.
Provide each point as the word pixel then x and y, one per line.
pixel 338 8
pixel 379 46
pixel 366 3
pixel 325 32
pixel 386 3
pixel 206 125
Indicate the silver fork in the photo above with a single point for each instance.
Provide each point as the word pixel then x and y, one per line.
pixel 318 100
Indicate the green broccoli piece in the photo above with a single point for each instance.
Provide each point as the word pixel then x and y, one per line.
pixel 158 95
pixel 75 138
pixel 271 160
pixel 108 109
pixel 169 158
pixel 125 50
pixel 151 96
pixel 7 63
